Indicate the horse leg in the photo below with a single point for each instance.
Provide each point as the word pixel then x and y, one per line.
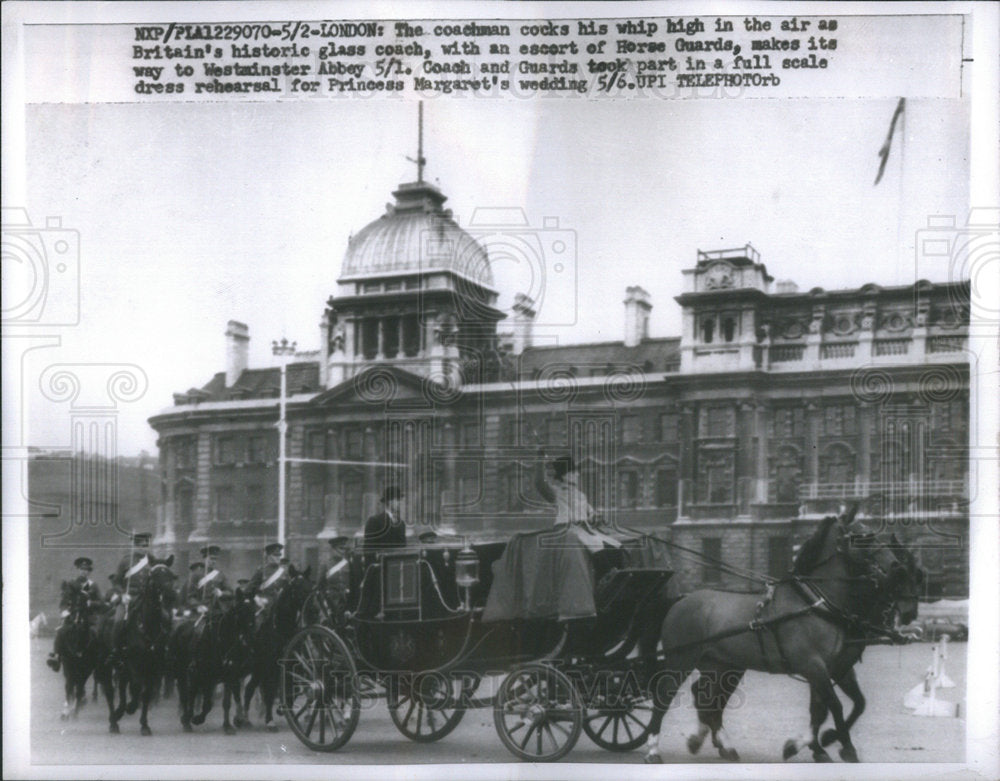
pixel 663 688
pixel 721 686
pixel 269 689
pixel 848 684
pixel 227 697
pixel 148 686
pixel 68 690
pixel 247 698
pixel 207 691
pixel 185 699
pixel 106 678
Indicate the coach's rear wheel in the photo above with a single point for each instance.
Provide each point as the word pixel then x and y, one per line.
pixel 618 716
pixel 428 706
pixel 538 713
pixel 319 689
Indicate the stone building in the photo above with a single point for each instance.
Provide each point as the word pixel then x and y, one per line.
pixel 770 409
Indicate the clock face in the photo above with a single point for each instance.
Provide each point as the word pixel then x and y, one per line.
pixel 718 276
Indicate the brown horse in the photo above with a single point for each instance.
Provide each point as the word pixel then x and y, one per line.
pixel 799 627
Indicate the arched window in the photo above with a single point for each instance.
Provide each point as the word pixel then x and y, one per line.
pixel 707 329
pixel 728 329
pixel 837 465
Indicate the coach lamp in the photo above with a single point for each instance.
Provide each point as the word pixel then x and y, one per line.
pixel 466 573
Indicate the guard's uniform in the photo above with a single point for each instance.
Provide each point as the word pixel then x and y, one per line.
pixel 202 588
pixel 334 584
pixel 267 582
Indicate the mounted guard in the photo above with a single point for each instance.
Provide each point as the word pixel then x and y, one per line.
pixel 80 585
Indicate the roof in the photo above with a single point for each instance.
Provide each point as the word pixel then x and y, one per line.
pixel 650 355
pixel 416 236
pixel 301 377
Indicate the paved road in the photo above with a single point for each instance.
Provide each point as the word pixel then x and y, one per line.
pixel 766 711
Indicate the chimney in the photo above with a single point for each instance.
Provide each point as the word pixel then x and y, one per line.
pixel 786 286
pixel 637 309
pixel 524 323
pixel 237 349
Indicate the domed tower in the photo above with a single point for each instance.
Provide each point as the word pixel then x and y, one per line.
pixel 415 292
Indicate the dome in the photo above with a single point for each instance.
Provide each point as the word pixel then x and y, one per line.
pixel 416 236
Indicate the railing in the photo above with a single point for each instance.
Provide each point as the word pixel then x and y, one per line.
pixel 946 344
pixel 746 251
pixel 861 490
pixel 783 353
pixel 837 350
pixel 892 346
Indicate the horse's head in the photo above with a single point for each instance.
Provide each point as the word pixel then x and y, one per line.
pixel 160 582
pixel 905 581
pixel 289 602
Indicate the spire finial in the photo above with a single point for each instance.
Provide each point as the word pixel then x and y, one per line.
pixel 420 160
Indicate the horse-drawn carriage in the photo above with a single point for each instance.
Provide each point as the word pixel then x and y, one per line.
pixel 427 625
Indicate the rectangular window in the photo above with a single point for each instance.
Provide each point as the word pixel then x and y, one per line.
pixel 354 442
pixel 254 503
pixel 666 488
pixel 390 336
pixel 393 286
pixel 470 433
pixel 352 500
pixel 369 338
pixel 788 423
pixel 669 428
pixel 779 556
pixel 510 488
pixel 185 505
pixel 314 493
pixel 411 336
pixel 715 477
pixel 223 504
pixel 316 444
pixel 185 453
pixel 631 430
pixel 628 490
pixel 225 450
pixel 711 549
pixel 717 422
pixel 257 449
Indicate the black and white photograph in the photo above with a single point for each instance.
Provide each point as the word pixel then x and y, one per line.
pixel 450 389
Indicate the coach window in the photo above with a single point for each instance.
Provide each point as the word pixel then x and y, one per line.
pixel 711 550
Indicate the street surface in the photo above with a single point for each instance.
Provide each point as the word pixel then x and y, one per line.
pixel 771 709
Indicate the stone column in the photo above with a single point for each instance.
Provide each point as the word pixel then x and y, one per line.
pixel 203 489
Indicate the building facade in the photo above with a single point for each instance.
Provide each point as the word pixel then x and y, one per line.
pixel 772 408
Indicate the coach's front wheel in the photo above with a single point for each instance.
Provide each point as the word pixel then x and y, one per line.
pixel 538 713
pixel 320 689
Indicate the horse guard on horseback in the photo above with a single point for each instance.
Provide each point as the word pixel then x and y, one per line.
pixel 423 626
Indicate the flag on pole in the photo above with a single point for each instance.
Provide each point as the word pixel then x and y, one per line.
pixel 884 151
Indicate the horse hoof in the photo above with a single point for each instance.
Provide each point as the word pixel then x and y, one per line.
pixel 198 718
pixel 145 731
pixel 229 729
pixel 113 729
pixel 790 750
pixel 729 754
pixel 271 727
pixel 652 759
pixel 187 727
pixel 821 756
pixel 238 722
pixel 849 755
pixel 828 737
pixel 693 744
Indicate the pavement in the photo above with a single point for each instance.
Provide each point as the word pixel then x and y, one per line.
pixel 766 710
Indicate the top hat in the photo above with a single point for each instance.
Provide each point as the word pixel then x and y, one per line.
pixel 210 550
pixel 391 493
pixel 141 538
pixel 338 541
pixel 273 548
pixel 83 562
pixel 562 465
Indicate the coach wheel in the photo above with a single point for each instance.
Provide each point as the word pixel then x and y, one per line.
pixel 320 689
pixel 427 706
pixel 618 717
pixel 537 713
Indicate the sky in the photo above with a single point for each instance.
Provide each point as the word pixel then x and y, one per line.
pixel 194 214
